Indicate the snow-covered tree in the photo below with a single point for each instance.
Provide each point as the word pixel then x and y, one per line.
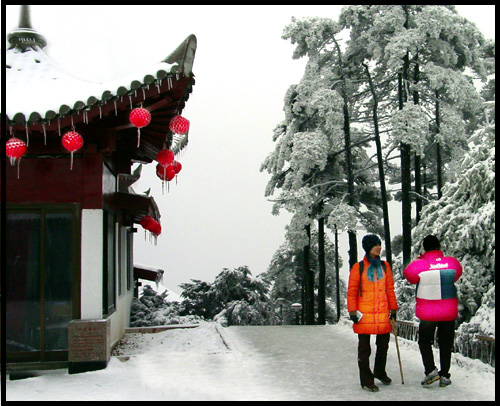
pixel 153 309
pixel 314 157
pixel 427 48
pixel 464 221
pixel 234 298
pixel 284 274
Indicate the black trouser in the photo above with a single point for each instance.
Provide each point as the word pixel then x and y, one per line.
pixel 445 335
pixel 364 351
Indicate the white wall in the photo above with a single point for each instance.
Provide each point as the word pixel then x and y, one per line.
pixel 120 319
pixel 92 271
pixel 91 264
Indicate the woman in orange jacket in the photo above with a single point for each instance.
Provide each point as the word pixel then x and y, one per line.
pixel 371 301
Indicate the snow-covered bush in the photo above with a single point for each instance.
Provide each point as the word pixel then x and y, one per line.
pixel 242 313
pixel 234 298
pixel 152 309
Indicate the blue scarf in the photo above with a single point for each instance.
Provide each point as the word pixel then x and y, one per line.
pixel 375 265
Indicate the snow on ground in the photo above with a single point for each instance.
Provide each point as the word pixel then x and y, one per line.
pixel 210 362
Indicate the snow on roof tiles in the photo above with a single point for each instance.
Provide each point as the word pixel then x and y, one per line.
pixel 36 88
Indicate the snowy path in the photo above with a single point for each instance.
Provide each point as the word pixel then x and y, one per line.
pixel 319 363
pixel 262 363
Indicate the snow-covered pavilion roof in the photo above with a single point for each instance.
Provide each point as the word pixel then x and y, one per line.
pixel 31 72
pixel 41 97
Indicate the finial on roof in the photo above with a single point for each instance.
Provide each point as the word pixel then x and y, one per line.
pixel 24 20
pixel 25 35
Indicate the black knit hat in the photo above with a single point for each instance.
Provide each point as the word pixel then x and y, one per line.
pixel 431 243
pixel 369 241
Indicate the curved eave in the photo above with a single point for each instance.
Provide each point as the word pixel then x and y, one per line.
pixel 37 89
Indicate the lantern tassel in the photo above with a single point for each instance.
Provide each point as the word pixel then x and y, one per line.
pixel 71 166
pixel 18 165
pixel 138 137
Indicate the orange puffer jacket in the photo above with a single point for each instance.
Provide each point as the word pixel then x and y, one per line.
pixel 376 300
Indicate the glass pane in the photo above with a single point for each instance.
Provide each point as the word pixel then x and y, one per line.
pixel 58 270
pixel 109 277
pixel 23 282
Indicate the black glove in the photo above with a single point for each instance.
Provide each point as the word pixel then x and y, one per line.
pixel 354 317
pixel 392 316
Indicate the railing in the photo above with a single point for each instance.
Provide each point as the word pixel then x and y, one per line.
pixel 471 346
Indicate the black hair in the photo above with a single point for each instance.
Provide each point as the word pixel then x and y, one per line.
pixel 431 243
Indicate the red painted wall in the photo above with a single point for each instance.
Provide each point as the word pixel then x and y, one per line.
pixel 50 180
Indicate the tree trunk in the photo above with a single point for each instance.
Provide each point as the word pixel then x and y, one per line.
pixel 309 281
pixel 337 272
pixel 406 203
pixel 353 244
pixel 322 272
pixel 405 162
pixel 439 169
pixel 383 191
pixel 418 187
pixel 418 180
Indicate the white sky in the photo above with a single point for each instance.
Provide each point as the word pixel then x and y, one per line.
pixel 216 216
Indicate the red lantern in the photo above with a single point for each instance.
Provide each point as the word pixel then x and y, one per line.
pixel 15 149
pixel 146 222
pixel 179 125
pixel 72 141
pixel 165 172
pixel 165 157
pixel 155 228
pixel 151 225
pixel 177 167
pixel 140 118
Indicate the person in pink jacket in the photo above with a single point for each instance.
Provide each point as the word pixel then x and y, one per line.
pixel 437 306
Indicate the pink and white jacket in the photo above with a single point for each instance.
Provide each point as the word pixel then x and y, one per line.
pixel 435 276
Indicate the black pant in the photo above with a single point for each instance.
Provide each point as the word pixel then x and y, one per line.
pixel 364 350
pixel 445 335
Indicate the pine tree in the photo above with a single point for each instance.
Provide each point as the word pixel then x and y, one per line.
pixel 408 41
pixel 284 275
pixel 318 157
pixel 464 221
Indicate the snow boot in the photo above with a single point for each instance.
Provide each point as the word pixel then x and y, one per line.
pixel 430 378
pixel 370 388
pixel 444 381
pixel 384 379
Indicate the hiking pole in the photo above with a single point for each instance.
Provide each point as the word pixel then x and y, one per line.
pixel 393 322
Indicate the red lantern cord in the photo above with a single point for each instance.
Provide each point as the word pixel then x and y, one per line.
pixel 140 117
pixel 179 125
pixel 15 149
pixel 72 141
